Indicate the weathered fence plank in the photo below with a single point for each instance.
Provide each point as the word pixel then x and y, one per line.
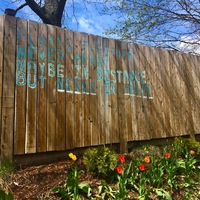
pixel 42 88
pixel 1 66
pixel 31 88
pixel 20 92
pixel 51 89
pixel 8 85
pixel 94 76
pixel 70 120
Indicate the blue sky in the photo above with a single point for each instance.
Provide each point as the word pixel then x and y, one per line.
pixel 83 18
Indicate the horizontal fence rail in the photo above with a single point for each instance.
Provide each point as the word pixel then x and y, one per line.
pixel 62 89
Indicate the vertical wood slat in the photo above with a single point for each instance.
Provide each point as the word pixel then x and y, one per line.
pixel 126 89
pixel 85 91
pixel 78 88
pixel 20 92
pixel 30 146
pixel 2 20
pixel 8 88
pixel 121 101
pixel 101 88
pixel 51 89
pixel 42 89
pixel 70 106
pixel 107 92
pixel 61 110
pixel 133 132
pixel 94 76
pixel 114 103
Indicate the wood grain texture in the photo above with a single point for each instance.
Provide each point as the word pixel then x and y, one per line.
pixel 70 106
pixel 42 88
pixel 30 146
pixel 51 89
pixel 8 87
pixel 20 92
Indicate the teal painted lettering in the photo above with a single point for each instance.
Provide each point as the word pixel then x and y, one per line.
pixel 100 61
pixel 131 91
pixel 32 53
pixel 68 85
pixel 77 59
pixel 132 77
pixel 137 75
pixel 59 42
pixel 113 75
pixel 112 89
pixel 143 77
pixel 51 41
pixel 93 87
pixel 60 70
pixel 21 52
pixel 34 78
pixel 69 47
pixel 21 65
pixel 77 71
pixel 84 86
pixel 41 78
pixel 126 89
pixel 107 87
pixel 123 53
pixel 60 56
pixel 130 54
pixel 107 73
pixel 84 46
pixel 30 40
pixel 118 53
pixel 41 68
pixel 20 78
pixel 93 60
pixel 99 74
pixel 41 41
pixel 60 83
pixel 51 70
pixel 126 77
pixel 51 54
pixel 42 53
pixel 85 73
pixel 84 58
pixel 119 72
pixel 77 86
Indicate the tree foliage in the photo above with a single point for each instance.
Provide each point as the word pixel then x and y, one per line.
pixel 173 24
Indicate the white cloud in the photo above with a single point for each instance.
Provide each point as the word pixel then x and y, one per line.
pixel 190 45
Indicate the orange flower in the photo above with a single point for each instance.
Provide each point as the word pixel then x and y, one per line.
pixel 121 158
pixel 147 159
pixel 141 166
pixel 119 169
pixel 167 155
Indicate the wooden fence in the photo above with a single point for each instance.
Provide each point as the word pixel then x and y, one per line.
pixel 62 89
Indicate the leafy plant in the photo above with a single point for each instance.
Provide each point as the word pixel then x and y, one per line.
pixel 71 189
pixel 6 167
pixel 6 196
pixel 100 160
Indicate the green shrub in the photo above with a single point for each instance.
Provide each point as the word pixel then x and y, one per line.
pixel 184 145
pixel 100 160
